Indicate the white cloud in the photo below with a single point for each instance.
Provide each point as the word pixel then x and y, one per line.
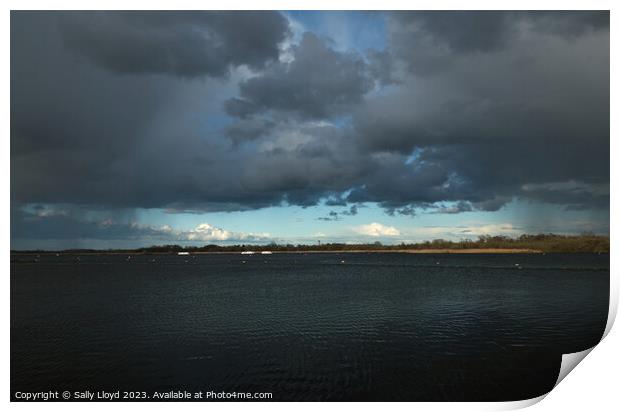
pixel 376 229
pixel 205 232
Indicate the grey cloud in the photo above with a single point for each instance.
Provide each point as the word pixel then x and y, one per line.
pixel 335 200
pixel 439 207
pixel 459 207
pixel 332 216
pixel 508 122
pixel 249 129
pixel 105 140
pixel 393 183
pixel 572 194
pixel 71 227
pixel 568 23
pixel 428 41
pixel 528 109
pixel 381 67
pixel 183 43
pixel 351 212
pixel 391 210
pixel 240 108
pixel 26 225
pixel 318 83
pixel 465 31
pixel 494 174
pixel 492 204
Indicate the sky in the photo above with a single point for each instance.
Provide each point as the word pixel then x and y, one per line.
pixel 133 129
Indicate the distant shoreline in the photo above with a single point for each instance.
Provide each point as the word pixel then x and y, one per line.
pixel 415 251
pixel 411 251
pixel 524 244
pixel 476 250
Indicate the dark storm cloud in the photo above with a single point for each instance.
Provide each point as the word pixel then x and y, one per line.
pixel 528 105
pixel 568 23
pixel 92 137
pixel 429 41
pixel 393 183
pixel 302 163
pixel 182 43
pixel 381 67
pixel 64 226
pixel 318 83
pixel 485 31
pixel 575 195
pixel 402 188
pixel 492 204
pixel 462 31
pixel 240 108
pixel 491 174
pixel 249 129
pixel 464 121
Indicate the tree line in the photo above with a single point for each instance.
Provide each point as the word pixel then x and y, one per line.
pixel 551 243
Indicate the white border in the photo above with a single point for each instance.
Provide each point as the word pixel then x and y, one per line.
pixel 592 386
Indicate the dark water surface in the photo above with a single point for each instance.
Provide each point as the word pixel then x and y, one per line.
pixel 305 327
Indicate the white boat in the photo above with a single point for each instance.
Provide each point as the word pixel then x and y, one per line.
pixel 266 252
pixel 183 253
pixel 247 252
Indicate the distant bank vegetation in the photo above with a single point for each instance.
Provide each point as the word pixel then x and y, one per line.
pixel 548 243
